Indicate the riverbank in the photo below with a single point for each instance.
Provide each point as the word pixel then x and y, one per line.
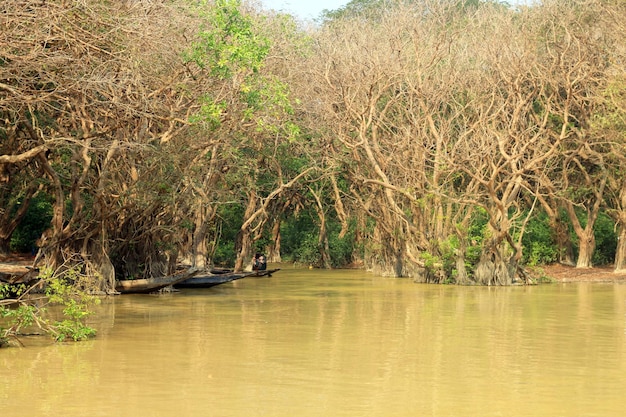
pixel 564 273
pixel 16 264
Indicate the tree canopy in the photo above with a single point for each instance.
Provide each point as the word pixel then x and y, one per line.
pixel 450 141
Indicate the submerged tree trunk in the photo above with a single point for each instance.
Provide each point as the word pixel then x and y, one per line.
pixel 495 266
pixel 495 271
pixel 492 269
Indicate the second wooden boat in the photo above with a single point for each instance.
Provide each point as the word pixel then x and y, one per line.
pixel 211 279
pixel 148 285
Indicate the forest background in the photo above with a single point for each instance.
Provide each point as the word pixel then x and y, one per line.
pixel 448 141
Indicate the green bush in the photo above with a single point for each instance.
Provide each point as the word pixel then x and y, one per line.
pixel 606 241
pixel 65 290
pixel 36 220
pixel 308 251
pixel 341 249
pixel 538 245
pixel 298 239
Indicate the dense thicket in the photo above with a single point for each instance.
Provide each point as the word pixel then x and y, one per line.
pixel 457 124
pixel 416 138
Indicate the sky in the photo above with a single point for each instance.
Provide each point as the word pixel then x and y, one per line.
pixel 304 9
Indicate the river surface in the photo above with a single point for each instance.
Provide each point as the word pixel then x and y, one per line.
pixel 339 343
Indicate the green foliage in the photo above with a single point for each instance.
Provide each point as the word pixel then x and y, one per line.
pixel 299 238
pixel 228 43
pixel 604 234
pixel 300 241
pixel 476 235
pixel 449 248
pixel 210 113
pixel 540 276
pixel 36 220
pixel 73 327
pixel 606 240
pixel 431 261
pixel 341 248
pixel 357 8
pixel 539 247
pixel 225 234
pixel 4 291
pixel 538 242
pixel 65 290
pixel 268 103
pixel 15 319
pixel 307 252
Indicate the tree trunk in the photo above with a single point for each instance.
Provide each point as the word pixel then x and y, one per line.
pixel 273 249
pixel 563 242
pixel 4 245
pixel 565 246
pixel 462 277
pixel 324 247
pixel 199 249
pixel 322 241
pixel 493 268
pixel 244 242
pixel 50 250
pixel 620 219
pixel 243 246
pixel 398 266
pixel 620 252
pixel 587 245
pixel 586 239
pixel 560 231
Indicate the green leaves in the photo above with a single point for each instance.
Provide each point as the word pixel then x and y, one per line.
pixel 210 113
pixel 228 45
pixel 231 50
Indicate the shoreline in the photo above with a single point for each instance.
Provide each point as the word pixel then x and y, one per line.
pixel 564 273
pixel 17 264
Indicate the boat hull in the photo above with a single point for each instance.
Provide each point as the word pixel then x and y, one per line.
pixel 210 280
pixel 148 285
pixel 218 277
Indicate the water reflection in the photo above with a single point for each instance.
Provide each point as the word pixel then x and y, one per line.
pixel 340 343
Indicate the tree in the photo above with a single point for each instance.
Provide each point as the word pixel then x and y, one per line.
pixel 90 98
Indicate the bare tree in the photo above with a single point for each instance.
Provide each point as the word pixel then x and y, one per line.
pixel 89 92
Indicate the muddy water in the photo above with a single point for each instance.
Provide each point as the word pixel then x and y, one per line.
pixel 342 343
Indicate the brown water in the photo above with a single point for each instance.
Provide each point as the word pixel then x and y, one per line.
pixel 341 343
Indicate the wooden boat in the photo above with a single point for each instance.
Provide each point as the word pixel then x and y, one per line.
pixel 264 272
pixel 147 285
pixel 257 273
pixel 212 279
pixel 221 276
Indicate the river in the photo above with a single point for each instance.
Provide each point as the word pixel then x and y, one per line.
pixel 334 343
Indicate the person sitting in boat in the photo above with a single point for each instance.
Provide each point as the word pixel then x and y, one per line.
pixel 259 263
